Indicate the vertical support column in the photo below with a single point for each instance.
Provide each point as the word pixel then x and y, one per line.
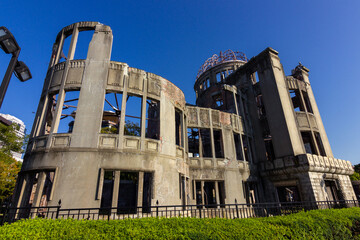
pixel 212 139
pixel 243 127
pixel 115 195
pixel 202 193
pixel 140 189
pixel 143 116
pixel 101 183
pixel 92 95
pixel 25 181
pixel 73 42
pixel 123 108
pixel 217 193
pixel 324 138
pixel 277 102
pixel 59 49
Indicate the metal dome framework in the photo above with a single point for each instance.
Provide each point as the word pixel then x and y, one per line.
pixel 226 56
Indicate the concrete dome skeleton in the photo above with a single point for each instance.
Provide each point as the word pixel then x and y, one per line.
pixel 255 134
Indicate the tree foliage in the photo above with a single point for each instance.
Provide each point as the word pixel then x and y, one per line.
pixel 9 140
pixel 132 129
pixel 9 167
pixel 356 175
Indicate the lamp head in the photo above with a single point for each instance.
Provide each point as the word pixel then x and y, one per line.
pixel 7 41
pixel 22 72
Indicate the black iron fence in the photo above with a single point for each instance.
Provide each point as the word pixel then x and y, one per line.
pixel 10 214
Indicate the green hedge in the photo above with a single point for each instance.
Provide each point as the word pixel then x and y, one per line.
pixel 317 224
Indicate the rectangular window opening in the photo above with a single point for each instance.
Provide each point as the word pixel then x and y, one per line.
pixel 152 119
pixel 218 142
pixel 128 192
pixel 107 193
pixel 32 186
pixel 147 194
pixel 288 194
pixel 199 200
pixel 219 77
pixel 307 102
pixel 246 148
pixel 256 77
pixel 260 107
pixel 222 195
pixel 206 142
pixel 296 100
pixel 111 113
pixel 193 142
pixel 49 115
pixel 270 153
pixel 133 116
pixel 249 189
pixel 238 149
pixel 308 142
pixel 65 49
pixel 209 194
pixel 46 193
pixel 333 191
pixel 178 128
pixel 320 144
pixel 68 113
pixel 218 100
pixel 82 45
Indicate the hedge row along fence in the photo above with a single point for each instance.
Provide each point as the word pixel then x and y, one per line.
pixel 316 224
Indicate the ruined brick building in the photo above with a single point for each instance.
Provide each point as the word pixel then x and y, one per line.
pixel 130 139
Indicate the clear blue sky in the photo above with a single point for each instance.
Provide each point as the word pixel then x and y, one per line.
pixel 173 39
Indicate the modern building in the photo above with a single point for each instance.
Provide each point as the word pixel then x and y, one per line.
pixel 8 119
pixel 110 135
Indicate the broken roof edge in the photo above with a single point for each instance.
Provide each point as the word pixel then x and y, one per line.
pixel 84 25
pixel 214 60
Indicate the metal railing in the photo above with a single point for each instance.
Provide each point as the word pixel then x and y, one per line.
pixel 230 211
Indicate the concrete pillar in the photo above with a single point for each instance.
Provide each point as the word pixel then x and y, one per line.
pixel 123 111
pixel 324 138
pixel 39 189
pixel 202 193
pixel 92 95
pixel 217 196
pixel 278 106
pixel 140 189
pixel 116 190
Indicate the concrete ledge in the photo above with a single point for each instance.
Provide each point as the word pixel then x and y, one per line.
pixel 305 163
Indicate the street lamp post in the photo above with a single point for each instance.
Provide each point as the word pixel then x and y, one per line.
pixel 22 72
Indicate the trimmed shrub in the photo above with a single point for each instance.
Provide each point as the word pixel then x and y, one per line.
pixel 316 224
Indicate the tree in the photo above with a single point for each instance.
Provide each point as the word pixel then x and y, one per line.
pixel 9 167
pixel 356 175
pixel 132 129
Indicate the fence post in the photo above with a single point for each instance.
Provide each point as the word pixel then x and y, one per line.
pixel 58 209
pixel 237 209
pixel 328 203
pixel 157 208
pixel 5 214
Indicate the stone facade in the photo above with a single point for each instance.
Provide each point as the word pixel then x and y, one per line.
pixel 109 135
